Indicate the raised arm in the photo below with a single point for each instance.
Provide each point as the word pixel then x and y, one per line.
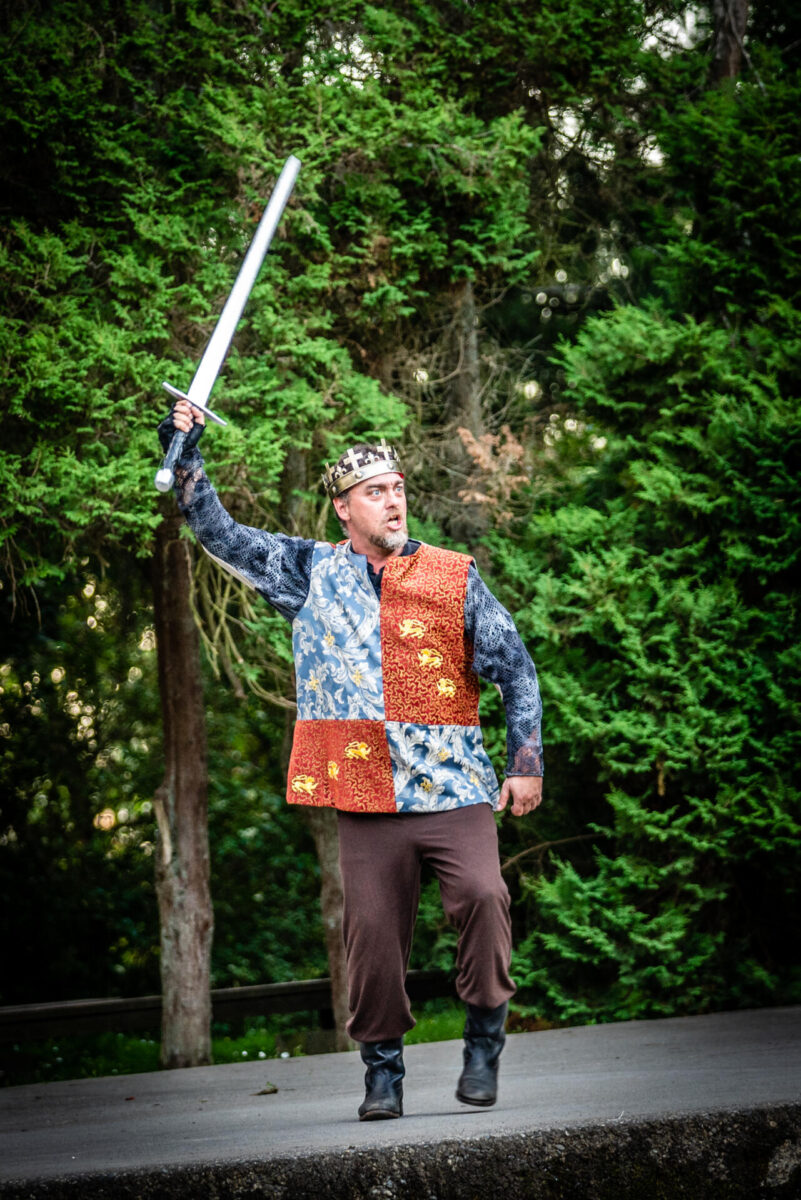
pixel 276 565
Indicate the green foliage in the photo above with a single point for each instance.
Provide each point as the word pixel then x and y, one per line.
pixel 630 240
pixel 140 145
pixel 82 1057
pixel 79 732
pixel 666 607
pixel 77 774
pixel 737 179
pixel 264 869
pixel 159 156
pixel 438 1021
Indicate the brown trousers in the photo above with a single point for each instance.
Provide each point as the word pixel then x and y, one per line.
pixel 380 857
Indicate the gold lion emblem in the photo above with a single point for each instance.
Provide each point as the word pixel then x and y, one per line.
pixel 357 750
pixel 446 687
pixel 429 658
pixel 333 770
pixel 411 627
pixel 304 785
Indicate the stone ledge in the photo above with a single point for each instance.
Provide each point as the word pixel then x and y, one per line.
pixel 752 1154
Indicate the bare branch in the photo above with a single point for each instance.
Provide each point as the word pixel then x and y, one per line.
pixel 541 846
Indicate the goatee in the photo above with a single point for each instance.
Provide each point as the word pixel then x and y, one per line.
pixel 394 539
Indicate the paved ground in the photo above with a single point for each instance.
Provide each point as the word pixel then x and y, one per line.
pixel 599 1077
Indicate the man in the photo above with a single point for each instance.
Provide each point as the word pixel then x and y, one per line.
pixel 389 637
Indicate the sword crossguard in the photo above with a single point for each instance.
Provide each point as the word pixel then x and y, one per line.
pixel 179 395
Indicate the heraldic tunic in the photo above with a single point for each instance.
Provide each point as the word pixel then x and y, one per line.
pixel 387 689
pixel 387 700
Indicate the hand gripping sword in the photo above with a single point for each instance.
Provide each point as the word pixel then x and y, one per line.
pixel 209 366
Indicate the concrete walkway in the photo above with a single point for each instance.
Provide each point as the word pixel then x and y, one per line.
pixel 607 1110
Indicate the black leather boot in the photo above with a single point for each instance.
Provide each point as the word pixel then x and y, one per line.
pixel 484 1039
pixel 383 1080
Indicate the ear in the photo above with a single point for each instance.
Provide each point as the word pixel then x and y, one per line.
pixel 341 507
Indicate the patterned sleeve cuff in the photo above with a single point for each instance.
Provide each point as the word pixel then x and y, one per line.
pixel 189 472
pixel 528 759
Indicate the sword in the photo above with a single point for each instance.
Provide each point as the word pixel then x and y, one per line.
pixel 209 366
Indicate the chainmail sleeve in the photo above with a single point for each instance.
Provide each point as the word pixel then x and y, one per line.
pixel 276 565
pixel 500 657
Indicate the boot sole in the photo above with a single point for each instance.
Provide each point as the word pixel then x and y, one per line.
pixel 476 1103
pixel 379 1114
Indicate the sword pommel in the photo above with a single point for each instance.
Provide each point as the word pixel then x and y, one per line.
pixel 164 478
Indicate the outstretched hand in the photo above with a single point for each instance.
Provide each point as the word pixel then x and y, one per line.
pixel 525 792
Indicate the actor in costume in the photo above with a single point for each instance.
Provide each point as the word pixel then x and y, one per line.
pixel 390 636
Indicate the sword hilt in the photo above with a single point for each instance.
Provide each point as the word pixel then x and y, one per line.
pixel 166 474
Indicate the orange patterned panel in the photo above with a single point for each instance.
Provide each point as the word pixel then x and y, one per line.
pixel 341 764
pixel 428 676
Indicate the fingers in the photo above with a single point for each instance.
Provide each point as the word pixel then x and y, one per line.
pixel 521 807
pixel 524 791
pixel 185 415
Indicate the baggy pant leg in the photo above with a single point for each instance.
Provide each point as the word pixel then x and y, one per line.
pixel 380 869
pixel 462 847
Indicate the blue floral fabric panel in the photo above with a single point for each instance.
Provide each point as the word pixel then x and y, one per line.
pixel 336 638
pixel 439 767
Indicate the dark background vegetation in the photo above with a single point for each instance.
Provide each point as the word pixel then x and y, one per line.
pixel 569 229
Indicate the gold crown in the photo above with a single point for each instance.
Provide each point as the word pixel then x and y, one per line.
pixel 357 464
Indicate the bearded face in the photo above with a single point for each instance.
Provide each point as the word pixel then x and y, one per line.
pixel 374 514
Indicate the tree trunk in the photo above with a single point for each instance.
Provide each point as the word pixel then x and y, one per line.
pixel 731 19
pixel 465 387
pixel 469 522
pixel 323 825
pixel 182 859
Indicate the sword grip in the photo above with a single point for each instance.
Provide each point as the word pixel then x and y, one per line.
pixel 165 474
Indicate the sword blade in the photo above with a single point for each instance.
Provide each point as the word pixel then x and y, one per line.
pixel 213 356
pixel 209 366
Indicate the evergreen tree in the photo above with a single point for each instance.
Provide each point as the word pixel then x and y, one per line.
pixel 542 227
pixel 665 596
